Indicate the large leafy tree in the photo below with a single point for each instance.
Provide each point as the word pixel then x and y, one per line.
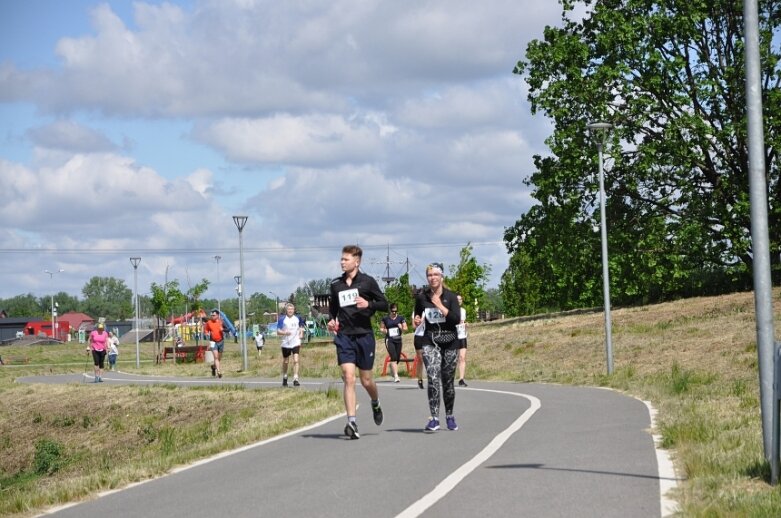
pixel 107 297
pixel 669 75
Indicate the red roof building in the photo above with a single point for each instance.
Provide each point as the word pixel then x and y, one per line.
pixel 75 320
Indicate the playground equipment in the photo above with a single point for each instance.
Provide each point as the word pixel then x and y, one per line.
pixel 189 327
pixel 228 324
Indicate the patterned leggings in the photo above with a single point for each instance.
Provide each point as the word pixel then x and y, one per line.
pixel 441 369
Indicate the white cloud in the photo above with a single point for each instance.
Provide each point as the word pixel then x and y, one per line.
pixel 321 138
pixel 96 191
pixel 333 122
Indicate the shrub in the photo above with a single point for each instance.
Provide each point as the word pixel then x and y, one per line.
pixel 48 457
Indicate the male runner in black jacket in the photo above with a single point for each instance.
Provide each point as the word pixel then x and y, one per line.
pixel 355 297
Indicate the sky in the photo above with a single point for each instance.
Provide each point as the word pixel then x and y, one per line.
pixel 138 129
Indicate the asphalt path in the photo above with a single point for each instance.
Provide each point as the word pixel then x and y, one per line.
pixel 521 450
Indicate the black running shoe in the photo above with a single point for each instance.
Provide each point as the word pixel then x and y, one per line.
pixel 462 383
pixel 284 382
pixel 420 384
pixel 351 430
pixel 377 413
pixel 214 371
pixel 296 383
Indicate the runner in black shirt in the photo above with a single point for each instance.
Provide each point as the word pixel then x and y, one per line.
pixel 393 326
pixel 355 297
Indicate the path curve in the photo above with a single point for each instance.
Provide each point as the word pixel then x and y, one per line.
pixel 521 450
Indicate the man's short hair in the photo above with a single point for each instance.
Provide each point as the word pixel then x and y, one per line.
pixel 353 250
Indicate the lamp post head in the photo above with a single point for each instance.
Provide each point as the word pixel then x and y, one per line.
pixel 237 278
pixel 135 261
pixel 599 131
pixel 240 221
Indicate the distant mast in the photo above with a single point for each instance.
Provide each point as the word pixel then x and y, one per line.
pixel 387 278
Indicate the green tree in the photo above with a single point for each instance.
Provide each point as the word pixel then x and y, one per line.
pixel 494 302
pixel 554 261
pixel 22 306
pixel 300 298
pixel 400 292
pixel 144 306
pixel 670 77
pixel 66 302
pixel 262 305
pixel 314 287
pixel 231 308
pixel 165 298
pixel 469 279
pixel 320 286
pixel 107 297
pixel 193 296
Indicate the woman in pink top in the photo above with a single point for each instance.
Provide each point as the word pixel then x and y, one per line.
pixel 98 342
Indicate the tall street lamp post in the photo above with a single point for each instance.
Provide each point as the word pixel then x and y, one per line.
pixel 135 262
pixel 239 293
pixel 53 311
pixel 599 132
pixel 240 221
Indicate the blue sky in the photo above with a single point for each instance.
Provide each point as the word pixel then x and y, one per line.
pixel 140 128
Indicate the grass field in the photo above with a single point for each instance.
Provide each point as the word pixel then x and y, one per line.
pixel 694 359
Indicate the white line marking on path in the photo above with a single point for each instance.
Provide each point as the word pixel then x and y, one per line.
pixel 452 480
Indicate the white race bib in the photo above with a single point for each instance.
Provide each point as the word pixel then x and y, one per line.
pixel 348 297
pixel 393 332
pixel 434 315
pixel 461 330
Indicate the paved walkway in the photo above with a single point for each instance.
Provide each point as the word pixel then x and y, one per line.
pixel 521 450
